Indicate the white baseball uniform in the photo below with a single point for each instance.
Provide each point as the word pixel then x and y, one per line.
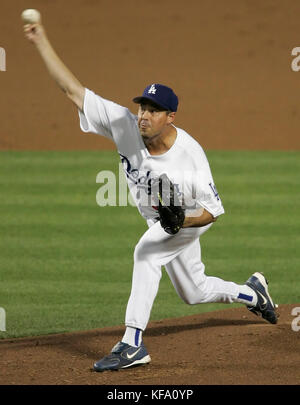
pixel 187 167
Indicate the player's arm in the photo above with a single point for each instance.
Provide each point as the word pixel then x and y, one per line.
pixel 203 218
pixel 65 79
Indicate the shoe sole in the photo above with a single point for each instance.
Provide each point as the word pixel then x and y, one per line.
pixel 144 360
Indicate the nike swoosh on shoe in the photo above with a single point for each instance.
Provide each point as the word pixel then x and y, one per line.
pixel 263 297
pixel 130 356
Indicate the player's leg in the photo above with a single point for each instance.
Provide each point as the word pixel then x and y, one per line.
pixel 187 273
pixel 155 249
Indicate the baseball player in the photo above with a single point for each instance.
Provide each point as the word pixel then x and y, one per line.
pixel 170 180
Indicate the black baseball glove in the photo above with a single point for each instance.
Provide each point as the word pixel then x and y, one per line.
pixel 171 213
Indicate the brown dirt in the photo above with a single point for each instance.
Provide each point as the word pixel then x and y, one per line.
pixel 229 347
pixel 229 61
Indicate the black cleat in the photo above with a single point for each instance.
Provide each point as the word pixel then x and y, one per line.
pixel 123 356
pixel 264 307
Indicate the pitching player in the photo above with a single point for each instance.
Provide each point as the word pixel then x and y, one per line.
pixel 171 182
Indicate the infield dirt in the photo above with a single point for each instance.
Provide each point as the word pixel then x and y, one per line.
pixel 228 347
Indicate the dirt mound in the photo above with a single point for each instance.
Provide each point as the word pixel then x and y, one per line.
pixel 230 347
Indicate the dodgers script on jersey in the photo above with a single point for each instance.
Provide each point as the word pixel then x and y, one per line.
pixel 185 163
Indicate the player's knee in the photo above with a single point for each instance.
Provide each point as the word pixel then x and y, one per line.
pixel 193 299
pixel 198 295
pixel 140 252
pixel 190 300
pixel 189 296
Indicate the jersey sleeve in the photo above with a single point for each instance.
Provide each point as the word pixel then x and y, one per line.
pixel 204 191
pixel 206 194
pixel 103 117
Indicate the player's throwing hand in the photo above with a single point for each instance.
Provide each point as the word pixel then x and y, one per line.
pixel 34 32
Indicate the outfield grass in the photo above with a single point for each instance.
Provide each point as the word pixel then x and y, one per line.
pixel 66 263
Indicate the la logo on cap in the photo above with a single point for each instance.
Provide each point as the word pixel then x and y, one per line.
pixel 152 89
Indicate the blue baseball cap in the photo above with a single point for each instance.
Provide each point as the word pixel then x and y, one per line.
pixel 160 95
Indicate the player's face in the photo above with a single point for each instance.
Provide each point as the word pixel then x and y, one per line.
pixel 152 121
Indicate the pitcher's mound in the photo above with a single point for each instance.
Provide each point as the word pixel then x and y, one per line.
pixel 231 346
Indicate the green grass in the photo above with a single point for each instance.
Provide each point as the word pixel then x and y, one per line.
pixel 66 263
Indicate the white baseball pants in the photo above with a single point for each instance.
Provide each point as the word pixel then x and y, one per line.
pixel 181 256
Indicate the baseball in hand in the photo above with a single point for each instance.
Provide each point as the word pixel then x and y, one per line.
pixel 31 16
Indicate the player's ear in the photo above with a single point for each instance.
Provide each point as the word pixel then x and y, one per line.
pixel 171 116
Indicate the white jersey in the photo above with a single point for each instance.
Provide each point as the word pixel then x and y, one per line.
pixel 185 163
